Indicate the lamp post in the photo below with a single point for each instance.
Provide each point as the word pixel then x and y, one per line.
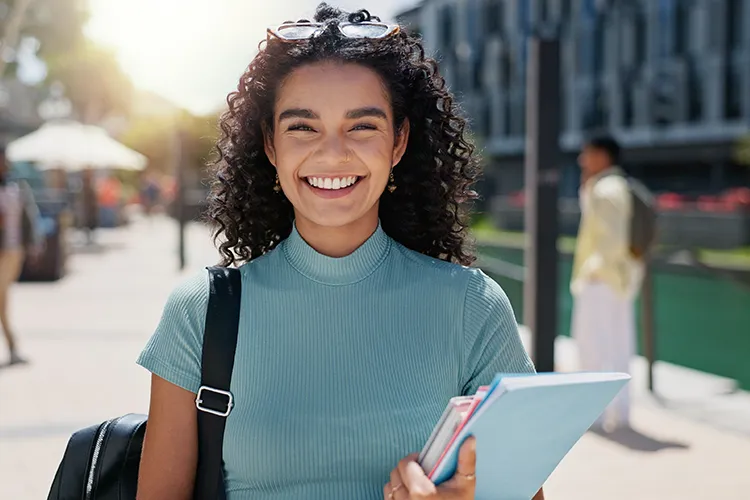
pixel 542 173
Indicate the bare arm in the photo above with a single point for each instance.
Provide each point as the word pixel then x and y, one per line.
pixel 170 449
pixel 539 495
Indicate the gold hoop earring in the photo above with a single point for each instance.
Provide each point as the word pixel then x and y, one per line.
pixel 277 186
pixel 391 183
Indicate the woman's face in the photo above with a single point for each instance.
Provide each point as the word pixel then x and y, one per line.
pixel 334 143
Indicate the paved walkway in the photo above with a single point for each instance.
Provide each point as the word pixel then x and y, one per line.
pixel 84 332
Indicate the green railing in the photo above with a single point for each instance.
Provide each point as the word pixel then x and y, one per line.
pixel 702 319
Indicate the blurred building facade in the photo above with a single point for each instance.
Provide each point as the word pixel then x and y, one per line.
pixel 669 78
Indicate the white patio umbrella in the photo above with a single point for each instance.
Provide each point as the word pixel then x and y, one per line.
pixel 72 146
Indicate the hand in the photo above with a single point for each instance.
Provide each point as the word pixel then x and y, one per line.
pixel 409 482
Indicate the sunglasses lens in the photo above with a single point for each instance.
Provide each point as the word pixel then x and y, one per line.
pixel 357 30
pixel 293 32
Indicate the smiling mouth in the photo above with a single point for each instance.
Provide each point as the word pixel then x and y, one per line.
pixel 333 183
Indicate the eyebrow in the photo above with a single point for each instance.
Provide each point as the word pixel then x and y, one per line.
pixel 372 112
pixel 354 114
pixel 297 113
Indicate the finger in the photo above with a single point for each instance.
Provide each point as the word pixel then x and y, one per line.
pixel 467 460
pixel 395 490
pixel 396 481
pixel 415 480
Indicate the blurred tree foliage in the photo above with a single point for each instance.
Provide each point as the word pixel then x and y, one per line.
pixel 155 136
pixel 93 80
pixel 97 86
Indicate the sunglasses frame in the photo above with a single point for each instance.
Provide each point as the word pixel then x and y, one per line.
pixel 391 29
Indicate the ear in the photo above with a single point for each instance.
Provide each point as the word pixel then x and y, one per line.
pixel 402 139
pixel 268 145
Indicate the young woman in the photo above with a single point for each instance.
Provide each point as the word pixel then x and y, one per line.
pixel 342 174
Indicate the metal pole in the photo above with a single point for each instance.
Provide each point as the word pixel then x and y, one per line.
pixel 180 197
pixel 542 179
pixel 647 321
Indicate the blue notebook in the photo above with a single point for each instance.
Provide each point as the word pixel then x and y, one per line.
pixel 526 425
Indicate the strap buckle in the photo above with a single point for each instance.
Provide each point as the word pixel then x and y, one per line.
pixel 226 406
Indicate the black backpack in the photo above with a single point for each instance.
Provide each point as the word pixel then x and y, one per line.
pixel 101 462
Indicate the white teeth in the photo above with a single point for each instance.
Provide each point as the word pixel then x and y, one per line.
pixel 331 183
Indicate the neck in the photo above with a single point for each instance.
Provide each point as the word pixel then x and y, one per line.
pixel 337 241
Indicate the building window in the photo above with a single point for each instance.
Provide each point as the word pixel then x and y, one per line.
pixel 505 69
pixel 733 73
pixel 493 17
pixel 734 24
pixel 447 34
pixel 628 107
pixel 478 67
pixel 732 91
pixel 640 36
pixel 695 92
pixel 681 30
pixel 599 45
pixel 486 113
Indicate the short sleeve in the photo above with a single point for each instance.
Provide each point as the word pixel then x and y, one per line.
pixel 175 349
pixel 492 343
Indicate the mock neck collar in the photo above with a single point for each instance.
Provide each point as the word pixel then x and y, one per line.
pixel 336 270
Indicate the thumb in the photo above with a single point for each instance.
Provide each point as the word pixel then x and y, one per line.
pixel 467 459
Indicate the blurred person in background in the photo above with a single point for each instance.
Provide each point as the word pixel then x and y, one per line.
pixel 150 194
pixel 338 192
pixel 20 238
pixel 109 192
pixel 89 204
pixel 606 277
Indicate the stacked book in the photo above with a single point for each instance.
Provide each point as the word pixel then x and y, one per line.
pixel 524 425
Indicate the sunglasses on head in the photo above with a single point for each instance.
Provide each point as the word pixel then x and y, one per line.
pixel 295 32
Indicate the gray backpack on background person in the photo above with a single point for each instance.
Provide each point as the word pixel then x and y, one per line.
pixel 643 216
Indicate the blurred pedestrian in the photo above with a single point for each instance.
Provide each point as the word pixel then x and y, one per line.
pixel 150 194
pixel 89 204
pixel 343 168
pixel 606 276
pixel 20 238
pixel 109 192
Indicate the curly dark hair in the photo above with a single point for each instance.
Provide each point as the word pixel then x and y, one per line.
pixel 428 213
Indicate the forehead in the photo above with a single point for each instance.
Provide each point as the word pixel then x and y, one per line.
pixel 331 87
pixel 589 149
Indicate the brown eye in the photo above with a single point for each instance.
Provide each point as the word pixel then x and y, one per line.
pixel 300 127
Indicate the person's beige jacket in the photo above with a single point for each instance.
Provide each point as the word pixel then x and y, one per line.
pixel 602 250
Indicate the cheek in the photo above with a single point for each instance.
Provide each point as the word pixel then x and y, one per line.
pixel 290 153
pixel 376 152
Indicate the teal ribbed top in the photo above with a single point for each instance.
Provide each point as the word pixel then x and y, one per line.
pixel 343 365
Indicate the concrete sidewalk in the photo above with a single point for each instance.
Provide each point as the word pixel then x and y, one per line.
pixel 84 333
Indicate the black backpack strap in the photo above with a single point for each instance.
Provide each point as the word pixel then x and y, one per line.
pixel 214 401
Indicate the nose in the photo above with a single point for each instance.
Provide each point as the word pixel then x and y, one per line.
pixel 333 151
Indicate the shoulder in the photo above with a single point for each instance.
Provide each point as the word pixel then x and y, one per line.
pixel 486 298
pixel 470 284
pixel 611 186
pixel 190 293
pixel 429 267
